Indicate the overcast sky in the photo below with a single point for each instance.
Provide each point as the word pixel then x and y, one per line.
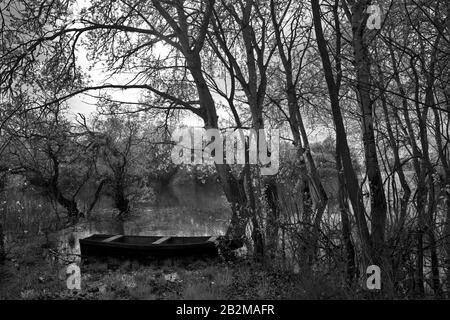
pixel 86 103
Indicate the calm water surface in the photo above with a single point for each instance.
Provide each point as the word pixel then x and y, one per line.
pixel 198 212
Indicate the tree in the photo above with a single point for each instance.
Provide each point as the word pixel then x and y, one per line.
pixel 180 28
pixel 46 150
pixel 351 181
pixel 291 44
pixel 126 153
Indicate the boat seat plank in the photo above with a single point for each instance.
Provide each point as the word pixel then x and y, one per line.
pixel 161 240
pixel 113 238
pixel 212 239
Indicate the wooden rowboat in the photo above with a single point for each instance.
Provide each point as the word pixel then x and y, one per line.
pixel 151 246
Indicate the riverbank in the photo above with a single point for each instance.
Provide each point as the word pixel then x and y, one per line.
pixel 35 271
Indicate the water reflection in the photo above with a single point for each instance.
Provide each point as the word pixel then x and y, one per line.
pixel 202 214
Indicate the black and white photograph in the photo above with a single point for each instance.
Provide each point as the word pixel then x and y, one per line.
pixel 224 155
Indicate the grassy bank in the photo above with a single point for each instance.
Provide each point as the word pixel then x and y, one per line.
pixel 32 271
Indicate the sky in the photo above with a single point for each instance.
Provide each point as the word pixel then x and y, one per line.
pixel 86 103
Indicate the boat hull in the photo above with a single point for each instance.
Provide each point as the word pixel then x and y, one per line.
pixel 142 247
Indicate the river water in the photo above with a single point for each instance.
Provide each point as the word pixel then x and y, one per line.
pixel 184 211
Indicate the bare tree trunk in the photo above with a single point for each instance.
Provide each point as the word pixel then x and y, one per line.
pixel 351 180
pixel 377 196
pixel 447 241
pixel 425 221
pixel 235 193
pixel 430 104
pixel 273 219
pixel 445 188
pixel 2 235
pixel 395 150
pixel 2 244
pixel 420 193
pixel 69 204
pixel 432 200
pixel 318 186
pixel 233 188
pixel 434 262
pixel 346 227
pixel 121 202
pixel 96 196
pixel 254 87
pixel 299 133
